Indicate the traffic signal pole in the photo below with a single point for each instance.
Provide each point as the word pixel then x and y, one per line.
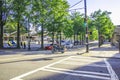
pixel 86 26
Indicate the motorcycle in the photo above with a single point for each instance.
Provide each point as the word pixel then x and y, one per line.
pixel 58 48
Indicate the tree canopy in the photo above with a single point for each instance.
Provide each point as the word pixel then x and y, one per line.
pixel 52 16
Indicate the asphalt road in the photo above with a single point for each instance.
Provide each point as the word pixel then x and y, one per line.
pixel 59 66
pixel 74 67
pixel 115 64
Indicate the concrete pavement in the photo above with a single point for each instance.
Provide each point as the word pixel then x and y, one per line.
pixel 106 50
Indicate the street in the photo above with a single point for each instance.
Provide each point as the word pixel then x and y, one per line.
pixel 86 66
pixel 59 40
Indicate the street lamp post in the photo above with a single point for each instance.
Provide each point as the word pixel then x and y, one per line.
pixel 85 23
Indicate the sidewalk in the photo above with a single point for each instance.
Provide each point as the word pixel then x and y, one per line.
pixel 106 50
pixel 35 50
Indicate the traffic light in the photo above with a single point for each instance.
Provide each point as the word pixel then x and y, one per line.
pixel 90 33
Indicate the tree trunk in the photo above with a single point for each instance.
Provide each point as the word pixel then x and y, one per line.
pixel 74 38
pixel 81 39
pixel 42 36
pixel 57 37
pixel 53 34
pixel 53 37
pixel 18 35
pixel 60 38
pixel 77 39
pixel 1 26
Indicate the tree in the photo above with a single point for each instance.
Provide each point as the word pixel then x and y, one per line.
pixel 1 24
pixel 3 16
pixel 103 23
pixel 78 24
pixel 93 32
pixel 17 10
pixel 57 12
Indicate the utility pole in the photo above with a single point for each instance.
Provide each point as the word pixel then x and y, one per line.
pixel 86 26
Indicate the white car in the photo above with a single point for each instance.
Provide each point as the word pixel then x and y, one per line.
pixel 68 45
pixel 63 43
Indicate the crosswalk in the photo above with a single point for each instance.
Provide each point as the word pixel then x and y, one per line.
pixel 88 67
pixel 77 67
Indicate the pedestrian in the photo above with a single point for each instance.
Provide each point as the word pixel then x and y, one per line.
pixel 10 44
pixel 24 44
pixel 21 44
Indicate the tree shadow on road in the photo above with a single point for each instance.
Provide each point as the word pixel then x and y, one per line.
pixel 102 48
pixel 45 58
pixel 86 72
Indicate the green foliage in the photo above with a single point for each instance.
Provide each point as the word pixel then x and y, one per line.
pixel 78 22
pixel 55 18
pixel 68 30
pixel 94 35
pixel 103 23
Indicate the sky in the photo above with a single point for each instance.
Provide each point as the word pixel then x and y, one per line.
pixel 105 5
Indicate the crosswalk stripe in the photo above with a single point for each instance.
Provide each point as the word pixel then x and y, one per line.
pixel 85 60
pixel 78 71
pixel 79 64
pixel 76 74
pixel 111 71
pixel 86 57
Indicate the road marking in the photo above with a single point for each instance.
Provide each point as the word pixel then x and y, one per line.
pixel 64 71
pixel 76 74
pixel 77 71
pixel 111 71
pixel 76 63
pixel 86 60
pixel 86 57
pixel 36 70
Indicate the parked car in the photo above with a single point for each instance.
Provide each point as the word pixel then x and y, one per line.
pixel 76 42
pixel 63 42
pixel 68 45
pixel 49 47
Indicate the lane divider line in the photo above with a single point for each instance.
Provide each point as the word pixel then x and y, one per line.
pixel 111 71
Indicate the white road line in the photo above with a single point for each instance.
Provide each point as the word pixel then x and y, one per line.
pixel 86 60
pixel 76 63
pixel 111 71
pixel 36 70
pixel 76 74
pixel 84 72
pixel 86 57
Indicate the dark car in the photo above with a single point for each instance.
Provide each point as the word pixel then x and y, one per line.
pixel 76 42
